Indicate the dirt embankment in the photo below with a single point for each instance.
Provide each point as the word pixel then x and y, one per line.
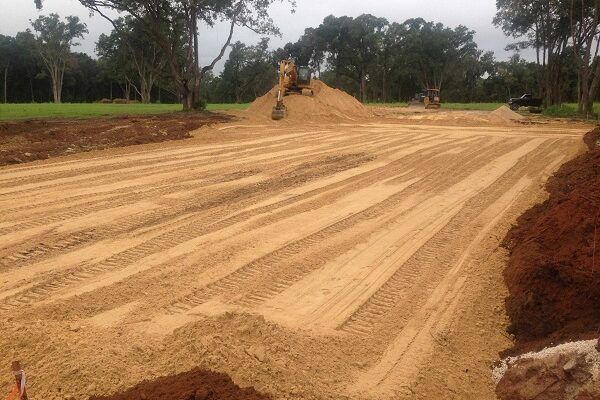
pixel 30 140
pixel 553 274
pixel 194 385
pixel 553 278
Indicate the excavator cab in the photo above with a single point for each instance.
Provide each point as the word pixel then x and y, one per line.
pixel 304 77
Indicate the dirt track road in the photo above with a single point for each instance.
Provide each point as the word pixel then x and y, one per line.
pixel 358 261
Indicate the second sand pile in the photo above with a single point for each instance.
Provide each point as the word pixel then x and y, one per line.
pixel 326 105
pixel 505 114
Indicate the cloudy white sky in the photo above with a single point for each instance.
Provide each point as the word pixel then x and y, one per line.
pixel 475 14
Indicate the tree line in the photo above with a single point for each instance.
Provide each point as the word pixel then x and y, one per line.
pixel 153 47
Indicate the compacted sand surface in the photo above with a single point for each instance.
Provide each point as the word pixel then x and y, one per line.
pixel 352 260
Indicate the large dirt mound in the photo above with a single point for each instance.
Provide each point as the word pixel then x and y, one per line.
pixel 194 385
pixel 327 104
pixel 553 274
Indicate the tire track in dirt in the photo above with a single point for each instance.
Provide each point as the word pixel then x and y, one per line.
pixel 389 252
pixel 198 158
pixel 432 255
pixel 82 272
pixel 184 233
pixel 324 194
pixel 414 342
pixel 269 271
pixel 133 222
pixel 137 197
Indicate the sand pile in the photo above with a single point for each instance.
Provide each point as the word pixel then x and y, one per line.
pixel 505 114
pixel 327 104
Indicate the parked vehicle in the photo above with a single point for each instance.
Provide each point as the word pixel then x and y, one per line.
pixel 527 100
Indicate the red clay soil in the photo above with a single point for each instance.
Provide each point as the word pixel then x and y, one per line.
pixel 194 385
pixel 553 275
pixel 30 140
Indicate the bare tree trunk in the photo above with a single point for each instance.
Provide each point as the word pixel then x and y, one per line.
pixel 189 100
pixel 6 84
pixel 57 77
pixel 127 91
pixel 31 88
pixel 197 73
pixel 60 85
pixel 363 86
pixel 384 86
pixel 55 94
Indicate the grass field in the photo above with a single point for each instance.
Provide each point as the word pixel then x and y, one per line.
pixel 68 110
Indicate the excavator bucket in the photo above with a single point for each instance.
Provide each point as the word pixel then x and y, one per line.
pixel 278 113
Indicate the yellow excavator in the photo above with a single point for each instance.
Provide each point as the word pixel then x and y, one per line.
pixel 292 80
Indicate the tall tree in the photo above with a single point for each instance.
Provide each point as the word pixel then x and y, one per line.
pixel 351 45
pixel 585 34
pixel 55 39
pixel 28 58
pixel 542 25
pixel 249 72
pixel 7 54
pixel 174 25
pixel 116 62
pixel 135 59
pixel 438 52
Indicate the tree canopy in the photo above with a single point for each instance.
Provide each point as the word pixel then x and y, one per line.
pixel 368 56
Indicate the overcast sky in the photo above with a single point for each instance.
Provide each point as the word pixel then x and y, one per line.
pixel 475 14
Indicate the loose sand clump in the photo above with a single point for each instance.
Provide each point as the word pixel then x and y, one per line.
pixel 326 105
pixel 568 371
pixel 505 114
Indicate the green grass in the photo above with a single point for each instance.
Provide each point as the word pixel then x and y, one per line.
pixel 68 110
pixel 562 111
pixel 225 107
pixel 569 110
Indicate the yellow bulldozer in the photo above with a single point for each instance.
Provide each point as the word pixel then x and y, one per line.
pixel 293 80
pixel 430 98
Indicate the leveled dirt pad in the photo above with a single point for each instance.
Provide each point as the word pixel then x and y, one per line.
pixel 330 261
pixel 30 140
